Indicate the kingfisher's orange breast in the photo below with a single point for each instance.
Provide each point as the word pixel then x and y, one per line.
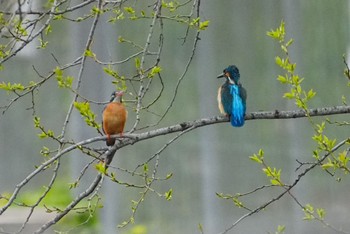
pixel 114 118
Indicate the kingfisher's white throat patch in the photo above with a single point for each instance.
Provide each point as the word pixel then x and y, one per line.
pixel 230 80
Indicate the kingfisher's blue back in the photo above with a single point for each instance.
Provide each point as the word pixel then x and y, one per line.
pixel 232 97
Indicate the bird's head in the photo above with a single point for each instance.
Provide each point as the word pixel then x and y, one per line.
pixel 117 96
pixel 231 73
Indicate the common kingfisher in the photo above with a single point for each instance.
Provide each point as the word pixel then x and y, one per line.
pixel 232 96
pixel 114 117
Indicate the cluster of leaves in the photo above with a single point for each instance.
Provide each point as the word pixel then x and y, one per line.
pixel 12 87
pixel 296 92
pixel 119 80
pixel 17 87
pixel 62 81
pixel 173 7
pixel 88 115
pixel 148 179
pixel 335 161
pixel 272 173
pixel 325 145
pixel 44 133
pixel 301 97
pixel 309 212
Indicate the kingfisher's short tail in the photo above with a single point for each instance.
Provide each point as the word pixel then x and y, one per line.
pixel 237 121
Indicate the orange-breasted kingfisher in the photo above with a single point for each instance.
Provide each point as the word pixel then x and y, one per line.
pixel 114 117
pixel 232 96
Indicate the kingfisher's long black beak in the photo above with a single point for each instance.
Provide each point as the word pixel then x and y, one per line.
pixel 221 75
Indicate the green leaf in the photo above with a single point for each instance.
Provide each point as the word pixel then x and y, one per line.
pixel 137 63
pixel 237 202
pixel 195 21
pixel 281 229
pixel 21 30
pixel 73 185
pixel 321 213
pixel 342 158
pixel 100 167
pixel 289 42
pixel 45 151
pixel 308 212
pixel 282 79
pixel 272 34
pixel 48 29
pixel 300 103
pixel 275 182
pixel 343 99
pixel 289 95
pixel 145 168
pixel 155 70
pixel 315 154
pixel 203 25
pixel 169 194
pixel 200 228
pixel 328 165
pixel 311 94
pixel 296 79
pixel 168 176
pixel 58 17
pixel 36 121
pixel 50 133
pixel 123 224
pixel 58 71
pixel 267 171
pixel 121 39
pixel 95 10
pixel 43 44
pixel 111 72
pixel 42 135
pixel 255 158
pixel 261 153
pixel 279 61
pixel 284 48
pixel 89 53
pixel 129 10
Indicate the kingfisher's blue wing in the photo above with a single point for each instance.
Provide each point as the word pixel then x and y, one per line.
pixel 238 105
pixel 226 98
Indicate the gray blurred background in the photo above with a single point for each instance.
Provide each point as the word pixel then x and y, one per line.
pixel 211 159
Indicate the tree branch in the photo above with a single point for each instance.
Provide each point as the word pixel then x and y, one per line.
pixel 333 110
pixel 128 139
